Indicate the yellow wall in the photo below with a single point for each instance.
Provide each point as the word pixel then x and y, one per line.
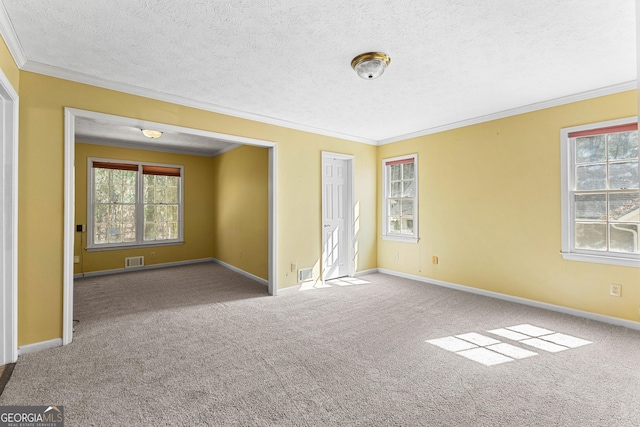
pixel 241 209
pixel 41 168
pixel 198 209
pixel 489 206
pixel 8 65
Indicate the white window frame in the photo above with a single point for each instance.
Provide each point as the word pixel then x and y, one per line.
pixel 140 242
pixel 569 251
pixel 385 195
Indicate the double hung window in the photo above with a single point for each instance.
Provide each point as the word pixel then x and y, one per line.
pixel 601 195
pixel 400 198
pixel 134 204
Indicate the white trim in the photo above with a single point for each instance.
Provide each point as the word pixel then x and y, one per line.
pixel 416 201
pixel 39 346
pixel 8 33
pixel 582 96
pixel 61 73
pixel 365 272
pixel 524 301
pixel 273 220
pixel 9 111
pixel 144 267
pixel 139 208
pixel 567 184
pixel 241 272
pixel 69 229
pixel 11 38
pixel 70 115
pixel 350 217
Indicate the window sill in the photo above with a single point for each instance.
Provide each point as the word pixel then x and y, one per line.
pixel 601 259
pixel 145 245
pixel 405 239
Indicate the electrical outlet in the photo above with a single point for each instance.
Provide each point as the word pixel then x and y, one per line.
pixel 153 254
pixel 294 267
pixel 396 255
pixel 434 259
pixel 76 259
pixel 615 290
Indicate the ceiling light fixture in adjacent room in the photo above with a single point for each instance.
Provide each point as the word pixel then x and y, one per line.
pixel 370 65
pixel 151 133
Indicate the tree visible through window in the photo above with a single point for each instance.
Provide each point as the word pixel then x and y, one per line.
pixel 134 204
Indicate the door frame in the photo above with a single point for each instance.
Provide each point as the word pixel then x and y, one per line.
pixel 70 115
pixel 9 110
pixel 348 201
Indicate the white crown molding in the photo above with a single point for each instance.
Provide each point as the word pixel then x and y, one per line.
pixel 61 73
pixel 609 90
pixel 11 38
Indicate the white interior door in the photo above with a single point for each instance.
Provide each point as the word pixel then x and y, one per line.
pixel 336 194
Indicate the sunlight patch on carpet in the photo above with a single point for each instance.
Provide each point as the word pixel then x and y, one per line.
pixel 489 351
pixel 342 281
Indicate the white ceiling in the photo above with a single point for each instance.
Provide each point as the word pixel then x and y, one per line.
pixel 288 61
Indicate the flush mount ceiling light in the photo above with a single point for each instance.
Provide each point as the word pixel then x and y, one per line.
pixel 370 65
pixel 151 133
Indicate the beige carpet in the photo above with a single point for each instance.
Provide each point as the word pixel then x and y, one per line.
pixel 201 345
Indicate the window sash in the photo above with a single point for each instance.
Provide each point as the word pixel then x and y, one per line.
pixel 400 202
pixel 613 240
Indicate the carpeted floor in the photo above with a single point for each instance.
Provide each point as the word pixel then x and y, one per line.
pixel 201 345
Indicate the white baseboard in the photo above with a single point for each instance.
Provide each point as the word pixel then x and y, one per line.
pixel 39 346
pixel 144 267
pixel 546 306
pixel 365 272
pixel 242 272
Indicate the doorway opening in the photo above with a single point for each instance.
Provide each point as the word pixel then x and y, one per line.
pixel 75 116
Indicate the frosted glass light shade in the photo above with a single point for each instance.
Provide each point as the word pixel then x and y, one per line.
pixel 151 133
pixel 370 65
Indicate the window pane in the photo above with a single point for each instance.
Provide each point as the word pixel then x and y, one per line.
pixel 172 195
pixel 407 225
pixel 101 193
pixel 407 207
pixel 591 236
pixel 394 225
pixel 396 189
pixel 408 171
pixel 624 207
pixel 172 213
pixel 395 172
pixel 161 195
pixel 409 188
pixel 591 149
pixel 394 207
pixel 593 177
pixel 623 175
pixel 623 238
pixel 591 206
pixel 149 231
pixel 623 145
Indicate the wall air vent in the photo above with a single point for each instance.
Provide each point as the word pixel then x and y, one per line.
pixel 134 261
pixel 305 274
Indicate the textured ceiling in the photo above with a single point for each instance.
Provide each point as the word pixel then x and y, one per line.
pixel 127 133
pixel 288 61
